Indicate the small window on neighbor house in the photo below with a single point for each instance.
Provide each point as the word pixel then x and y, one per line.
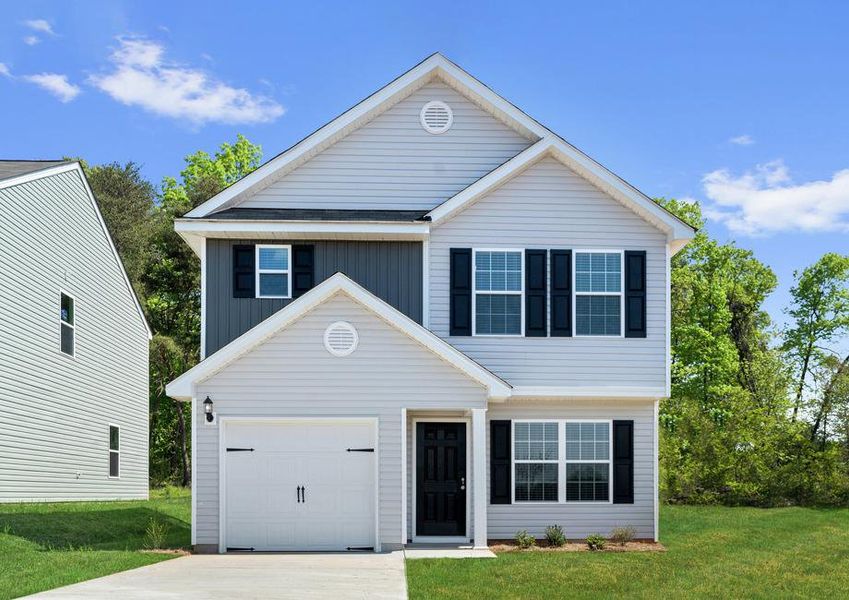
pixel 66 324
pixel 114 451
pixel 272 273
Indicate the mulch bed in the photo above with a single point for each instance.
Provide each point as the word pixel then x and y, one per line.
pixel 543 546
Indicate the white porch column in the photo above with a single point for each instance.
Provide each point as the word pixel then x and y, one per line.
pixel 479 475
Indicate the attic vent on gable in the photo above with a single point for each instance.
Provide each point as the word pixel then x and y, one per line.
pixel 436 117
pixel 340 338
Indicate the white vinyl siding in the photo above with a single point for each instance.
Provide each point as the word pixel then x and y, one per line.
pixel 580 519
pixel 393 163
pixel 292 375
pixel 550 207
pixel 54 411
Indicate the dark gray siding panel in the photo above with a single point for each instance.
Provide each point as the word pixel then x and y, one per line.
pixel 390 270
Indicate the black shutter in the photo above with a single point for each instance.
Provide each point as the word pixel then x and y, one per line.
pixel 303 269
pixel 461 292
pixel 500 491
pixel 535 293
pixel 635 293
pixel 244 275
pixel 561 293
pixel 623 462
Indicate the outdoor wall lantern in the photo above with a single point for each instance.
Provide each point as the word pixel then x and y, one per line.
pixel 207 408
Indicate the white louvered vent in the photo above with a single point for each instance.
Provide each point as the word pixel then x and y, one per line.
pixel 340 338
pixel 436 117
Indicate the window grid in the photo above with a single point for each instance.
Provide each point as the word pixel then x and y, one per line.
pixel 591 473
pixel 536 454
pixel 498 281
pixel 265 260
pixel 598 281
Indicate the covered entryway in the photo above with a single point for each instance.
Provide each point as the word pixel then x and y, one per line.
pixel 305 484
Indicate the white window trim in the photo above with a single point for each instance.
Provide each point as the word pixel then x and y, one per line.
pixel 111 451
pixel 73 325
pixel 561 462
pixel 287 271
pixel 621 293
pixel 520 293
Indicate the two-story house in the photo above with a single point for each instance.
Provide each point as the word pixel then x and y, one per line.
pixel 432 320
pixel 73 357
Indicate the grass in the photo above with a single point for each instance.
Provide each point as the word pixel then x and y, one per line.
pixel 43 546
pixel 713 552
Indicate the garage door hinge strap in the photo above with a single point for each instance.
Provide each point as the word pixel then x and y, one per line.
pixel 240 449
pixel 360 449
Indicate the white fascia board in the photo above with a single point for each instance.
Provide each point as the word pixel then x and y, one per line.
pixel 597 392
pixel 75 166
pixel 434 66
pixel 553 146
pixel 183 387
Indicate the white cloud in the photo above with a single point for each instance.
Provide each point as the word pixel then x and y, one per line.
pixel 4 70
pixel 56 84
pixel 766 200
pixel 742 140
pixel 143 77
pixel 39 25
pixel 31 40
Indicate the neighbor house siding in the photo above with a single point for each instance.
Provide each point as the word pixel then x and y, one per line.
pixel 292 374
pixel 548 206
pixel 582 519
pixel 393 163
pixel 55 410
pixel 390 270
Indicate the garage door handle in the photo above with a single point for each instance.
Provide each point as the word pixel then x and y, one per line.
pixel 299 494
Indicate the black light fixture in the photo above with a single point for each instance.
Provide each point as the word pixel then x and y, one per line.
pixel 207 408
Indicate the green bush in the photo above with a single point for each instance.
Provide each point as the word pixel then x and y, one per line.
pixel 555 536
pixel 623 535
pixel 596 542
pixel 525 540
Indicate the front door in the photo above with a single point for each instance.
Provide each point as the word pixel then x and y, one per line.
pixel 441 479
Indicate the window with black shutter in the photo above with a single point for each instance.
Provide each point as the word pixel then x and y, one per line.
pixel 244 271
pixel 536 301
pixel 499 462
pixel 623 462
pixel 635 293
pixel 460 309
pixel 561 293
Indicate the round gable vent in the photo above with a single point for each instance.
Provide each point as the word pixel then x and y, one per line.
pixel 436 117
pixel 340 338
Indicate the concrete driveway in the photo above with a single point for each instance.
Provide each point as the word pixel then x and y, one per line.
pixel 251 576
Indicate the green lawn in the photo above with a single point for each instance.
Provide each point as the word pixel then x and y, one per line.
pixel 712 552
pixel 44 546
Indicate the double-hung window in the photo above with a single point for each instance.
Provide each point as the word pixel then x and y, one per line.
pixel 273 278
pixel 498 285
pixel 114 451
pixel 66 324
pixel 562 460
pixel 598 293
pixel 536 450
pixel 588 449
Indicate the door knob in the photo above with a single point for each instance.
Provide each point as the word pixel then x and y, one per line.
pixel 462 483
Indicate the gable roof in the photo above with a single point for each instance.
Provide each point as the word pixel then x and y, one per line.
pixel 436 66
pixel 678 232
pixel 319 214
pixel 182 388
pixel 16 168
pixel 35 172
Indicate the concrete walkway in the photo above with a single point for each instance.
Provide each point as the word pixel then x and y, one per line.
pixel 244 576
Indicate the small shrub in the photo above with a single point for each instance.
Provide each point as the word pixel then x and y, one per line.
pixel 155 534
pixel 623 535
pixel 596 542
pixel 555 536
pixel 525 540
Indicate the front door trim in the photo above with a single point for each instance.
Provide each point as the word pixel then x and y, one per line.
pixel 424 539
pixel 222 462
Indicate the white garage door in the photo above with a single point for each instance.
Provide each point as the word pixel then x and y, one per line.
pixel 300 485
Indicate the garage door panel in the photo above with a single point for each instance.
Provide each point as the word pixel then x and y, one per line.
pixel 262 510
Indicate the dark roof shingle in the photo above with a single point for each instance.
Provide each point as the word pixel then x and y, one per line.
pixel 16 168
pixel 317 214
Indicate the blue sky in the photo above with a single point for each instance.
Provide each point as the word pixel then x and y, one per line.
pixel 742 105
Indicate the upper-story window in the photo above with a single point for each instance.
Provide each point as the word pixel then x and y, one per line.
pixel 498 288
pixel 273 279
pixel 598 293
pixel 66 324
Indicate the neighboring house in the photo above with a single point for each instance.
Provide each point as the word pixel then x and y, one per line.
pixel 432 320
pixel 73 362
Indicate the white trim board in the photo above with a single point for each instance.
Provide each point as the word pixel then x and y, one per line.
pixel 182 387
